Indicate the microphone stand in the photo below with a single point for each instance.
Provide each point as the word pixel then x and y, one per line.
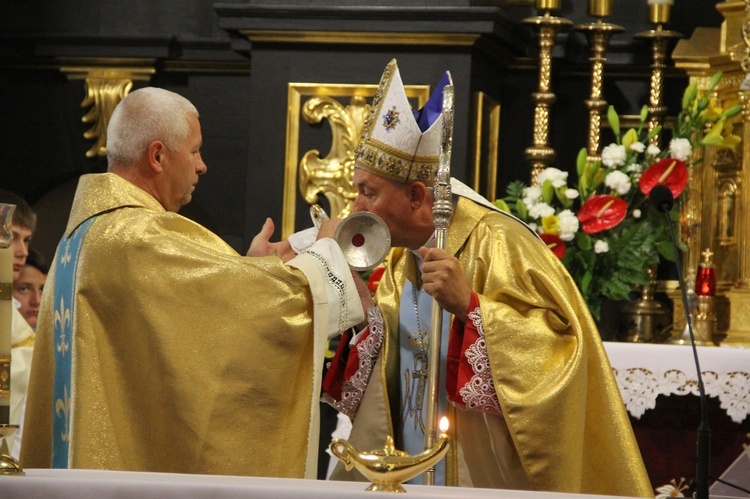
pixel 704 431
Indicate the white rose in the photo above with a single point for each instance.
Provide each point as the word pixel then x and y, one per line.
pixel 618 181
pixel 637 147
pixel 613 156
pixel 571 193
pixel 636 213
pixel 554 175
pixel 540 210
pixel 534 193
pixel 680 149
pixel 652 150
pixel 567 223
pixel 601 246
pixel 635 167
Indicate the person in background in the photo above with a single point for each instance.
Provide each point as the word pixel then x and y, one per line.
pixel 525 381
pixel 27 289
pixel 162 349
pixel 22 336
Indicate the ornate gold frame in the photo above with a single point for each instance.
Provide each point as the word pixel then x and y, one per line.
pixel 321 105
pixel 485 147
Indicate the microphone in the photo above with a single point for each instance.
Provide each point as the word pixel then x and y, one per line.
pixel 661 198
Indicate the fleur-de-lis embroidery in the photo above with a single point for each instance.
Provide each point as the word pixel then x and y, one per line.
pixel 63 405
pixel 66 256
pixel 62 317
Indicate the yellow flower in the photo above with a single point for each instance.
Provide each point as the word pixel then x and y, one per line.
pixel 551 225
pixel 713 111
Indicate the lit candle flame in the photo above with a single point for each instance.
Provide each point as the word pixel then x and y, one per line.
pixel 443 424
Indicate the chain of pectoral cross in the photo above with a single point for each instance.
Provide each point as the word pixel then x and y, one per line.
pixel 416 379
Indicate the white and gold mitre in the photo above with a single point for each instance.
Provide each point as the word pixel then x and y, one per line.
pixel 398 142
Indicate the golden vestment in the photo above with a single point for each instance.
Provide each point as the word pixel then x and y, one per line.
pixel 186 357
pixel 563 425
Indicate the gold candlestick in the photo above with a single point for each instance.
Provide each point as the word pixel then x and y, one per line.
pixel 8 465
pixel 389 468
pixel 598 34
pixel 659 38
pixel 540 154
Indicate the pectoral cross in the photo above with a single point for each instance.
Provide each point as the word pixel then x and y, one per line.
pixel 415 383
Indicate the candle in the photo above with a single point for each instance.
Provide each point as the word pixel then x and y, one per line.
pixel 600 8
pixel 6 308
pixel 443 425
pixel 548 4
pixel 658 11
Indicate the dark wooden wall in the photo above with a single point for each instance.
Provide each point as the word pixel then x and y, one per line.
pixel 240 87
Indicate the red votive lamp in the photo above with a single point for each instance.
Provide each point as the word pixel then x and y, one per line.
pixel 705 282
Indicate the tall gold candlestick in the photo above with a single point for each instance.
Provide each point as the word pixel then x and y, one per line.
pixel 598 34
pixel 659 38
pixel 540 155
pixel 6 308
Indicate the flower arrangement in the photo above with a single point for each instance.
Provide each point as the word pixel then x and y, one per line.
pixel 604 229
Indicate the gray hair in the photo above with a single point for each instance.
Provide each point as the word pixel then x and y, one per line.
pixel 145 115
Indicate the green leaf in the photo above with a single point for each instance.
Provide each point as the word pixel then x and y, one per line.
pixel 502 205
pixel 666 249
pixel 731 112
pixel 581 161
pixel 586 280
pixel 547 191
pixel 714 81
pixel 614 122
pixel 583 241
pixel 689 96
pixel 644 114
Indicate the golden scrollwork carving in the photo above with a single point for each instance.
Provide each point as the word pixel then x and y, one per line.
pixel 332 175
pixel 107 82
pixel 103 93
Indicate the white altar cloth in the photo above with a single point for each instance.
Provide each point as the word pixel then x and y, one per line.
pixel 645 370
pixel 77 484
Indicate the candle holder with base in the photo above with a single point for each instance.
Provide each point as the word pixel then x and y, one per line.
pixel 598 34
pixel 8 464
pixel 660 39
pixel 540 154
pixel 387 469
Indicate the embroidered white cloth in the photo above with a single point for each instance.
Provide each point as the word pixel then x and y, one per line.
pixel 645 371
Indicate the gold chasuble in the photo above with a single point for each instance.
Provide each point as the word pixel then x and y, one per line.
pixel 172 353
pixel 563 427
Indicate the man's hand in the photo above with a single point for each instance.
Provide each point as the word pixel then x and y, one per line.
pixel 328 228
pixel 443 279
pixel 262 246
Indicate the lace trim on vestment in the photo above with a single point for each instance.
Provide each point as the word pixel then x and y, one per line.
pixel 479 393
pixel 353 389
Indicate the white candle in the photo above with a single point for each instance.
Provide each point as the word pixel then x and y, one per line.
pixel 661 2
pixel 443 425
pixel 6 311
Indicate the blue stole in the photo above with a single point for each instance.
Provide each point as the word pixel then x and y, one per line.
pixel 413 367
pixel 65 286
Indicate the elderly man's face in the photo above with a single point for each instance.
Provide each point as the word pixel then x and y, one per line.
pixel 390 201
pixel 182 166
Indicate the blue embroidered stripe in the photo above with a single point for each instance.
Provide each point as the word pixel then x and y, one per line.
pixel 65 284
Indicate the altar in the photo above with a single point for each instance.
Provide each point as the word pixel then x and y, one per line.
pixel 74 484
pixel 659 387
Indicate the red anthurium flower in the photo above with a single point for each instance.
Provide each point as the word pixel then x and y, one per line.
pixel 554 243
pixel 668 171
pixel 601 212
pixel 374 279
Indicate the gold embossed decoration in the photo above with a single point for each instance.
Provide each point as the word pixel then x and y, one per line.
pixel 107 82
pixel 332 175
